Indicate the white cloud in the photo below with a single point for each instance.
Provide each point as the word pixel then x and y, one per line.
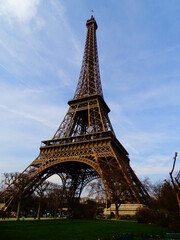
pixel 19 10
pixel 63 77
pixel 14 163
pixel 144 140
pixel 28 104
pixel 25 114
pixel 33 51
pixel 117 116
pixel 154 164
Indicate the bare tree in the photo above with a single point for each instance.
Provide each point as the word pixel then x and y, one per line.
pixel 146 182
pixel 96 189
pixel 56 197
pixel 117 193
pixel 14 183
pixel 2 184
pixel 41 191
pixel 176 181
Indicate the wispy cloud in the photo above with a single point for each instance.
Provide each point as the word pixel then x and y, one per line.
pixel 118 115
pixel 150 148
pixel 154 164
pixel 26 115
pixel 21 11
pixel 148 55
pixel 25 121
pixel 27 103
pixel 77 57
pixel 25 54
pixel 144 141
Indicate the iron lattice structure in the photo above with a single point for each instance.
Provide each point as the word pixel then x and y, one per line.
pixel 84 146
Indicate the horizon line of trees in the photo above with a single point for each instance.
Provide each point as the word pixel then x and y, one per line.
pixel 51 198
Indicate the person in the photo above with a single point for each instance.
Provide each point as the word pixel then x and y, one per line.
pixel 35 215
pixel 14 214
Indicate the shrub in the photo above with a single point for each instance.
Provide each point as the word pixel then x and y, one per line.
pixel 145 215
pixel 159 217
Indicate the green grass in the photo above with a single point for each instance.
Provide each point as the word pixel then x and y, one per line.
pixel 75 229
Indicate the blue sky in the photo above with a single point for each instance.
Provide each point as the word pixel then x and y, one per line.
pixel 41 49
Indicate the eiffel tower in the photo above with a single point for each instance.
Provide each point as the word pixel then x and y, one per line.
pixel 84 146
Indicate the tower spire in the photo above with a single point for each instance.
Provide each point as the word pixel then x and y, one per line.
pixel 89 82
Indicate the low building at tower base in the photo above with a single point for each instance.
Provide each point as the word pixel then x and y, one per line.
pixel 124 209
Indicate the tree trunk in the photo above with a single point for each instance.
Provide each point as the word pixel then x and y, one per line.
pixel 178 200
pixel 18 209
pixel 55 213
pixel 117 211
pixel 60 212
pixel 39 209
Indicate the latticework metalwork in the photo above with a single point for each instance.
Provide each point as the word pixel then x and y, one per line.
pixel 89 80
pixel 84 146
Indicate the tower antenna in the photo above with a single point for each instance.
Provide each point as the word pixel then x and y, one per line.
pixel 92 13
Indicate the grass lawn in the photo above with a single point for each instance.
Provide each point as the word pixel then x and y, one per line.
pixel 75 230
